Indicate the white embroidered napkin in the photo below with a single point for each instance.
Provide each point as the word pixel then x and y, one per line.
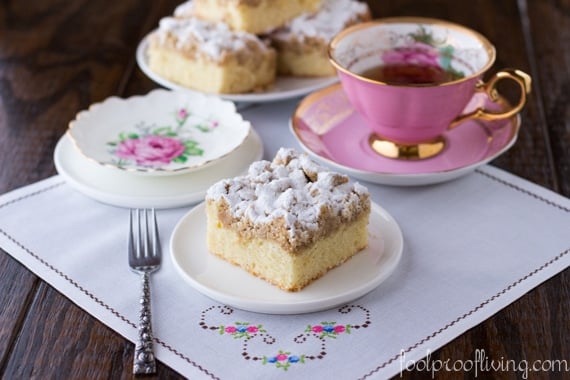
pixel 471 247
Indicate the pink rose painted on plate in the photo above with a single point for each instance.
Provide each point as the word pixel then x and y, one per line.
pixel 151 150
pixel 151 146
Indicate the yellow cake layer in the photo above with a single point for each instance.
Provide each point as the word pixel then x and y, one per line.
pixel 208 76
pixel 302 43
pixel 253 16
pixel 313 63
pixel 268 260
pixel 210 57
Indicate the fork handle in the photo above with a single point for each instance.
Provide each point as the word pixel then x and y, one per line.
pixel 144 362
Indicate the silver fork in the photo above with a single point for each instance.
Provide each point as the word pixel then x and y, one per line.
pixel 144 258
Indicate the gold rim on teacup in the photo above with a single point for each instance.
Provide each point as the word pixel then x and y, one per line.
pixel 488 46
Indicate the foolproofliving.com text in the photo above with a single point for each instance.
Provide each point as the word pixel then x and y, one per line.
pixel 483 365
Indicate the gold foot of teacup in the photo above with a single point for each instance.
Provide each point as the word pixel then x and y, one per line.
pixel 420 151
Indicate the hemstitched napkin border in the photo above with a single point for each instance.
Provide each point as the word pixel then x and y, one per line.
pixel 56 182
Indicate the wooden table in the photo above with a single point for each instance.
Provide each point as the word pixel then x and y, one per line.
pixel 57 57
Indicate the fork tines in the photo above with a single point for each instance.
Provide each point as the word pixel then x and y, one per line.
pixel 144 244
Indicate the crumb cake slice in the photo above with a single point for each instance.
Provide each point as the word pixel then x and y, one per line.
pixel 302 44
pixel 253 16
pixel 288 221
pixel 210 57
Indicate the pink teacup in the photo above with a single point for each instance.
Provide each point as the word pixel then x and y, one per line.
pixel 411 78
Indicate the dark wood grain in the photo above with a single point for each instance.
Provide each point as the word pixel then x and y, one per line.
pixel 57 57
pixel 548 41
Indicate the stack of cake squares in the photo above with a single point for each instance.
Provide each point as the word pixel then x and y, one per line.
pixel 241 46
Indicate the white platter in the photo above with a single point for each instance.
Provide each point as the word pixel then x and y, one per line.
pixel 284 87
pixel 125 189
pixel 235 287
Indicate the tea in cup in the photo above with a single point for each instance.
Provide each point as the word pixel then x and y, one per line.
pixel 411 78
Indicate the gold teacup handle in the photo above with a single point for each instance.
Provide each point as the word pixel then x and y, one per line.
pixel 523 80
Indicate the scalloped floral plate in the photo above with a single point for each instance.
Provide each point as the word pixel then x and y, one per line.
pixel 161 133
pixel 284 87
pixel 231 285
pixel 126 189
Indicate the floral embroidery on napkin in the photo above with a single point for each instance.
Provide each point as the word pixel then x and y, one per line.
pixel 322 331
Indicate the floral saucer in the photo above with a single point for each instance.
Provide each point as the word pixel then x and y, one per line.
pixel 330 130
pixel 127 189
pixel 161 133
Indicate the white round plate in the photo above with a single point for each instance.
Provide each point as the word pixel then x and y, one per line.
pixel 161 133
pixel 233 286
pixel 284 87
pixel 125 189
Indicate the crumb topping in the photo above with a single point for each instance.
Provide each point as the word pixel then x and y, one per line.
pixel 215 39
pixel 291 200
pixel 332 17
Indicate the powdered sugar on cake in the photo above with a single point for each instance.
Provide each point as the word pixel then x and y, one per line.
pixel 333 17
pixel 291 192
pixel 213 38
pixel 186 9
